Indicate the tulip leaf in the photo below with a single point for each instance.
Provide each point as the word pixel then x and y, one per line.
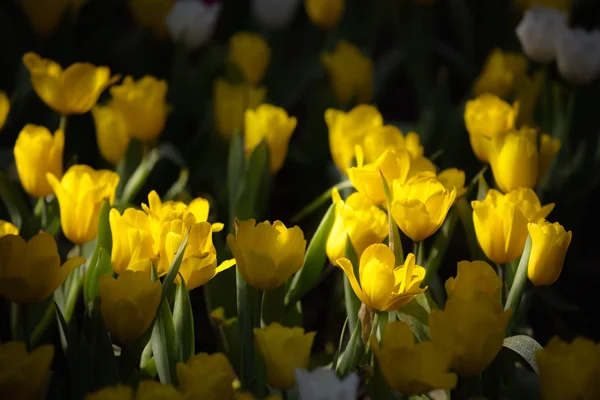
pixel 465 212
pixel 251 199
pixel 273 305
pixel 355 350
pixel 229 333
pixel 174 269
pixel 98 266
pixel 394 241
pixel 184 322
pixel 163 344
pixel 440 246
pixel 179 185
pixel 235 171
pixel 416 314
pixel 308 277
pixel 17 208
pixel 525 347
pixel 139 177
pixel 128 164
pixel 351 301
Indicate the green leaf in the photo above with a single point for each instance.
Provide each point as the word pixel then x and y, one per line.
pixel 440 246
pixel 351 301
pixel 308 277
pixel 273 305
pixel 465 212
pixel 256 177
pixel 416 314
pixel 139 176
pixel 98 266
pixel 128 165
pixel 518 286
pixel 394 236
pixel 178 186
pixel 483 188
pixel 355 349
pixel 174 268
pixel 183 318
pixel 17 207
pixel 236 162
pixel 229 334
pixel 525 347
pixel 163 344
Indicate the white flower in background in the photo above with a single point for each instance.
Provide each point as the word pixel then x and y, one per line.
pixel 539 30
pixel 323 384
pixel 274 14
pixel 192 22
pixel 578 55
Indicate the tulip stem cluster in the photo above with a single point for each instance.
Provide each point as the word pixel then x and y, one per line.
pixel 520 280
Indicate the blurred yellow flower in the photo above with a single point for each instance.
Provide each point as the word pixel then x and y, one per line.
pixel 206 376
pixel 500 74
pixel 24 375
pixel 382 284
pixel 549 245
pixel 527 93
pixel 44 16
pixel 4 108
pixel 129 303
pixel 350 72
pixel 31 271
pixel 151 13
pixel 420 206
pixel 251 54
pixel 380 138
pixel 80 194
pixel 325 13
pixel 267 255
pixel 143 105
pixel 360 220
pixel 569 371
pixel 146 390
pixel 132 240
pixel 230 104
pixel 472 277
pixel 549 147
pixel 453 178
pixel 74 90
pixel 283 349
pixel 7 228
pixel 112 133
pixel 501 222
pixel 273 125
pixel 425 366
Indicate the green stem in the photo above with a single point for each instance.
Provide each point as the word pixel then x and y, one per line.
pixel 139 177
pixel 24 315
pixel 41 328
pixel 516 291
pixel 62 124
pixel 316 203
pixel 419 250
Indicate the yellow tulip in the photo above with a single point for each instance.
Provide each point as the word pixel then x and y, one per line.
pixel 37 152
pixel 350 72
pixel 472 277
pixel 384 285
pixel 325 13
pixel 118 392
pixel 151 13
pixel 129 303
pixel 500 222
pixel 485 117
pixel 132 240
pixel 146 390
pixel 80 194
pixel 453 178
pixel 284 350
pixel 273 125
pixel 549 147
pixel 549 245
pixel 380 138
pixel 527 94
pixel 143 105
pixel 267 255
pixel 346 130
pixel 569 371
pixel 74 90
pixel 6 228
pixel 112 133
pixel 24 375
pixel 425 366
pixel 230 104
pixel 31 271
pixel 359 219
pixel 420 206
pixel 251 54
pixel 206 376
pixel 501 73
pixel 4 108
pixel 44 16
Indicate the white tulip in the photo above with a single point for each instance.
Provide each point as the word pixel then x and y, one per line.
pixel 538 32
pixel 323 384
pixel 274 14
pixel 192 22
pixel 578 55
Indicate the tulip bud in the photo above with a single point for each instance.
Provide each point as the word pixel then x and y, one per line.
pixel 274 14
pixel 325 13
pixel 192 22
pixel 44 16
pixel 538 32
pixel 549 147
pixel 322 383
pixel 6 228
pixel 112 133
pixel 501 73
pixel 578 55
pixel 206 376
pixel 4 108
pixel 24 375
pixel 453 178
pixel 549 244
pixel 251 54
pixel 151 14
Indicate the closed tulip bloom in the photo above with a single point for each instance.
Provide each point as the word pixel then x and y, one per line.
pixel 384 285
pixel 549 147
pixel 425 366
pixel 206 376
pixel 325 13
pixel 74 90
pixel 500 222
pixel 514 159
pixel 569 371
pixel 578 55
pixel 24 375
pixel 472 277
pixel 485 117
pixel 346 130
pixel 350 73
pixel 6 228
pixel 549 245
pixel 31 271
pixel 129 303
pixel 420 206
pixel 284 350
pixel 80 194
pixel 146 390
pixel 4 108
pixel 251 54
pixel 323 384
pixel 453 178
pixel 274 14
pixel 38 152
pixel 143 105
pixel 267 255
pixel 501 73
pixel 359 219
pixel 273 125
pixel 380 138
pixel 230 104
pixel 112 133
pixel 151 14
pixel 193 22
pixel 132 240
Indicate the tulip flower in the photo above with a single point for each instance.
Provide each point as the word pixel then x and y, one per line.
pixel 45 16
pixel 132 240
pixel 129 303
pixel 538 32
pixel 569 371
pixel 267 255
pixel 4 108
pixel 143 105
pixel 284 350
pixel 274 14
pixel 382 284
pixel 206 376
pixel 359 219
pixel 380 138
pixel 549 245
pixel 273 125
pixel 192 22
pixel 24 375
pixel 74 90
pixel 549 147
pixel 151 14
pixel 322 383
pixel 350 72
pixel 578 55
pixel 112 132
pixel 146 390
pixel 31 271
pixel 80 194
pixel 251 54
pixel 501 73
pixel 453 178
pixel 472 277
pixel 7 228
pixel 527 94
pixel 38 152
pixel 325 13
pixel 425 366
